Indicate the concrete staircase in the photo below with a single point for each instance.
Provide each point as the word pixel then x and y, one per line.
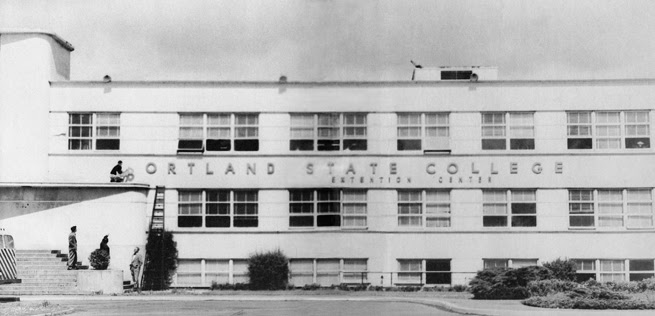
pixel 43 272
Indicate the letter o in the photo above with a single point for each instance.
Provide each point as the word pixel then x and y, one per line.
pixel 452 168
pixel 151 168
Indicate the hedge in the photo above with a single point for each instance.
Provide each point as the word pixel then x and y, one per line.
pixel 562 300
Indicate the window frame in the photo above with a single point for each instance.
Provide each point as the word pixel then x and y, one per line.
pixel 423 140
pixel 422 275
pixel 509 201
pixel 510 124
pixel 209 143
pixel 236 220
pixel 424 204
pixel 330 132
pixel 343 272
pixel 315 206
pixel 597 203
pixel 632 129
pixel 506 263
pixel 95 125
pixel 205 273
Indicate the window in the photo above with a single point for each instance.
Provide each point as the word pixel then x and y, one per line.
pixel 615 270
pixel 327 272
pixel 607 128
pixel 219 208
pixel 508 263
pixel 211 132
pixel 202 272
pixel 427 131
pixel 641 269
pixel 327 208
pixel 585 270
pixel 456 74
pixel 612 270
pixel 494 131
pixel 328 132
pixel 423 208
pixel 437 271
pixel 502 208
pixel 630 208
pixel 81 135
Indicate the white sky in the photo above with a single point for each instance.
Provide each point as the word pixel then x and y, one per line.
pixel 309 40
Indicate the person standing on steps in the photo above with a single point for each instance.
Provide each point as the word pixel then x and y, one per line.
pixel 137 261
pixel 72 249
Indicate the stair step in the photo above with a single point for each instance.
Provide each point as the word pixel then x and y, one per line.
pixel 46 286
pixel 48 280
pixel 46 292
pixel 20 260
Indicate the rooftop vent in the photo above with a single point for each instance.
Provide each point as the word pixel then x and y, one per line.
pixel 470 73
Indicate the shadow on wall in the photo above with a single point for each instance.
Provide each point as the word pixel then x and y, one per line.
pixel 18 201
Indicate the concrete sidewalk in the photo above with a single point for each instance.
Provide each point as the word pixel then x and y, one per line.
pixel 462 306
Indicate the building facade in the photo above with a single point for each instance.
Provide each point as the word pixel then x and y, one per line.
pixel 418 182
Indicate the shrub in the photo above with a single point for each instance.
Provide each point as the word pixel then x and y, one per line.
pixel 229 287
pixel 545 287
pixel 563 301
pixel 506 283
pixel 161 262
pixel 99 259
pixel 460 287
pixel 311 287
pixel 268 271
pixel 562 269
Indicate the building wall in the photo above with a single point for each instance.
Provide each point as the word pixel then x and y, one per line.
pixel 40 217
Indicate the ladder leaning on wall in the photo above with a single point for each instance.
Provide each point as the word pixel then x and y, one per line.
pixel 156 227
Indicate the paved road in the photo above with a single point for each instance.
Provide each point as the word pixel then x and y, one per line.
pixel 249 308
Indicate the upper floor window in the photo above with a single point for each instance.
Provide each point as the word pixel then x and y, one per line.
pixel 495 130
pixel 502 208
pixel 423 208
pixel 218 132
pixel 328 131
pixel 608 129
pixel 327 208
pixel 631 208
pixel 99 131
pixel 423 131
pixel 217 208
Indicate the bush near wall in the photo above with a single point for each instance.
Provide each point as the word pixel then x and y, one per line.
pixel 506 283
pixel 99 259
pixel 161 261
pixel 268 271
pixel 562 269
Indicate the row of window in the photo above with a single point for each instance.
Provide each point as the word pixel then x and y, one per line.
pixel 316 208
pixel 430 271
pixel 215 132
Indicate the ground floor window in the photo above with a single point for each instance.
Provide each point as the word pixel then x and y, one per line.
pixel 327 272
pixel 615 270
pixel 204 272
pixel 508 263
pixel 424 271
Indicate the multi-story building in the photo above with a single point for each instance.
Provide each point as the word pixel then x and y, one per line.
pixel 404 182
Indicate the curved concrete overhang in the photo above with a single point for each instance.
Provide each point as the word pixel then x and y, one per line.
pixel 65 44
pixel 117 185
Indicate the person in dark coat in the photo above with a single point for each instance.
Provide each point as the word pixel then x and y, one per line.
pixel 116 174
pixel 72 249
pixel 103 244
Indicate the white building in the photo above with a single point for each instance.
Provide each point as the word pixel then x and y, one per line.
pixel 392 183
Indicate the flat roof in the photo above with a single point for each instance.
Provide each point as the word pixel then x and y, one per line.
pixel 65 44
pixel 277 84
pixel 116 185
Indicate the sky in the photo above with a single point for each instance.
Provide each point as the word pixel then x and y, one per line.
pixel 333 40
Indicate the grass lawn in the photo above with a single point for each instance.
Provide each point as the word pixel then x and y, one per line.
pixel 30 308
pixel 319 292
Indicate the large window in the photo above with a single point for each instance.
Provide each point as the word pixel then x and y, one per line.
pixel 89 131
pixel 423 208
pixel 495 130
pixel 211 132
pixel 508 263
pixel 327 272
pixel 203 272
pixel 615 270
pixel 328 132
pixel 327 208
pixel 608 129
pixel 423 131
pixel 424 271
pixel 631 208
pixel 515 208
pixel 217 208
